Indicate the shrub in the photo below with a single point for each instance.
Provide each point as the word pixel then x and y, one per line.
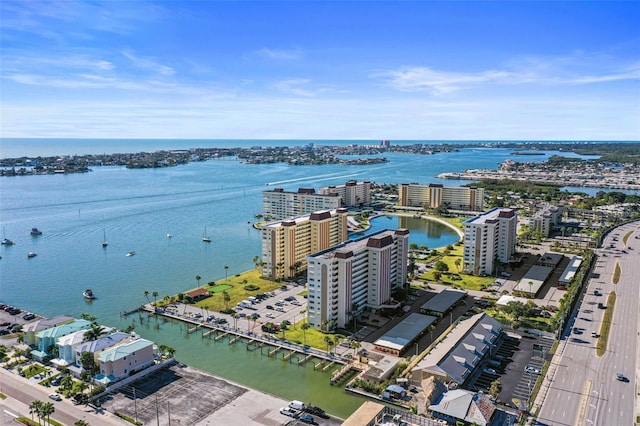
pixel 251 287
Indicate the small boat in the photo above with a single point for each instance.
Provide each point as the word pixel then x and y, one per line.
pixel 169 235
pixel 204 236
pixel 104 239
pixel 131 253
pixel 5 240
pixel 35 232
pixel 88 294
pixel 31 254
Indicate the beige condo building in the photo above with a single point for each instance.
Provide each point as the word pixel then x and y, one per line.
pixel 286 243
pixel 344 280
pixel 436 195
pixel 278 204
pixel 352 193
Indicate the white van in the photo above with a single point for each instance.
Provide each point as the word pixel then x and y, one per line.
pixel 296 405
pixel 244 304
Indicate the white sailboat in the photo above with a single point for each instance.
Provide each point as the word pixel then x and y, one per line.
pixel 5 240
pixel 204 236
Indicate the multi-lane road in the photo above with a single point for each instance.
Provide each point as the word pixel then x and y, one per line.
pixel 584 389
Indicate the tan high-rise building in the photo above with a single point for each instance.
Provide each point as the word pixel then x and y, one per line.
pixel 489 237
pixel 436 195
pixel 286 243
pixel 352 193
pixel 344 280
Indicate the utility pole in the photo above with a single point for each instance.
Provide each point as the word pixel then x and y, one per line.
pixel 135 404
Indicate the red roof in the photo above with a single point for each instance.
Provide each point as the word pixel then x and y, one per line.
pixel 198 292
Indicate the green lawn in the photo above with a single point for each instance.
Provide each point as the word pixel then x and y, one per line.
pixel 219 288
pixel 314 338
pixel 469 282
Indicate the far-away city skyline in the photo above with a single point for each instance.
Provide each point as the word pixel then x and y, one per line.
pixel 321 70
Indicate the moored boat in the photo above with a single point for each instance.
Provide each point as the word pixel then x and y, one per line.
pixel 35 232
pixel 204 236
pixel 7 242
pixel 131 253
pixel 88 294
pixel 32 254
pixel 104 239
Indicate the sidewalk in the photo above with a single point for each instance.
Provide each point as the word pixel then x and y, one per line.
pixel 548 380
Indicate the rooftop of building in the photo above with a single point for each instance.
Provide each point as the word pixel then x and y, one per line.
pixel 406 331
pixel 348 248
pixel 492 215
pixel 123 350
pixel 444 300
pixel 571 269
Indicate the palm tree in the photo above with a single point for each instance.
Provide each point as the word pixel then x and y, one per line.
pixel 198 278
pixel 256 260
pixel 304 328
pixel 155 297
pixel 81 423
pixel 35 408
pixel 431 328
pixel 226 268
pixel 329 341
pixel 205 308
pixel 355 345
pixel 336 340
pixel 227 299
pixel 458 262
pixel 94 332
pixel 146 294
pixel 88 317
pixel 283 327
pixel 47 410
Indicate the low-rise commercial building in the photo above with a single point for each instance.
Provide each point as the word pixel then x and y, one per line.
pixel 124 359
pixel 442 302
pixel 402 336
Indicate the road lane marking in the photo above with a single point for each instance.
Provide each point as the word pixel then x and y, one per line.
pixel 11 414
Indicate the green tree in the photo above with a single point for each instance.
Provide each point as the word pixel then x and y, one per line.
pixel 457 263
pixel 155 297
pixel 437 275
pixel 441 266
pixel 198 278
pixel 81 423
pixel 94 332
pixel 47 410
pixel 304 328
pixel 227 299
pixel 35 408
pixel 146 294
pixel 88 317
pixel 355 345
pixel 226 268
pixel 88 363
pixel 495 389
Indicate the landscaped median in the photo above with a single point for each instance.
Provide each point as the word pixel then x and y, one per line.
pixel 601 346
pixel 616 274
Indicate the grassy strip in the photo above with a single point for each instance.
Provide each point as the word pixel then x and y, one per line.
pixel 601 346
pixel 129 419
pixel 626 237
pixel 28 421
pixel 616 274
pixel 536 387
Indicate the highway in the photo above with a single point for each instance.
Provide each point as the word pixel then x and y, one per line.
pixel 584 389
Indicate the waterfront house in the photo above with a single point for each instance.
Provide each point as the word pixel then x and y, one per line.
pixel 66 345
pixel 48 338
pixel 29 330
pixel 96 346
pixel 124 359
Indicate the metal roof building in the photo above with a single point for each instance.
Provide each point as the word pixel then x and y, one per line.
pixel 570 270
pixel 442 302
pixel 404 334
pixel 534 279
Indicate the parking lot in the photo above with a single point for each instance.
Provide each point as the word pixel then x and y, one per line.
pixel 517 363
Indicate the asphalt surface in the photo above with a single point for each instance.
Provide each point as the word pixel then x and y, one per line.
pixel 584 389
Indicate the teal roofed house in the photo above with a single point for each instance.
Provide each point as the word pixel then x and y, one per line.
pixel 122 360
pixel 47 339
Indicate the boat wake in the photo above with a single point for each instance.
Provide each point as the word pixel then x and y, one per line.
pixel 313 178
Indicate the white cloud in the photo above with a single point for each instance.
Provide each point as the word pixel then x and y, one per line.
pixel 149 64
pixel 410 79
pixel 280 54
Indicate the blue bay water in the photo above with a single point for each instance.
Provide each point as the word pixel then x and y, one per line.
pixel 136 209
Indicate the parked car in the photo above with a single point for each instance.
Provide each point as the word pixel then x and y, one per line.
pixel 55 396
pixel 28 317
pixel 306 418
pixel 288 411
pixel 594 334
pixel 530 369
pixel 602 306
pixel 490 371
pixel 269 307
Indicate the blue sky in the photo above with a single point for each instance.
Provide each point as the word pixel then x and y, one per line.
pixel 321 70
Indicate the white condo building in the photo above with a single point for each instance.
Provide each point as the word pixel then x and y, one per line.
pixel 435 195
pixel 358 274
pixel 351 193
pixel 489 237
pixel 279 204
pixel 546 219
pixel 287 243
